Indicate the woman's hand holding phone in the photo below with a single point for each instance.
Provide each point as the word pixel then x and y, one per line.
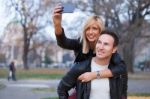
pixel 57 18
pixel 68 8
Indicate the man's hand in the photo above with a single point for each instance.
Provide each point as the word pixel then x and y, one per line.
pixel 57 18
pixel 88 76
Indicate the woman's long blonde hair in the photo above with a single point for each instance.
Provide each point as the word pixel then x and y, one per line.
pixel 93 19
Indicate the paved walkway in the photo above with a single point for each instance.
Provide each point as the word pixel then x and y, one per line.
pixel 139 86
pixel 24 89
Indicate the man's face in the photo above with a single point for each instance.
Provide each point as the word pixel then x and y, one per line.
pixel 104 46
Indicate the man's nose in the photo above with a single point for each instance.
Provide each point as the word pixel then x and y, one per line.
pixel 101 46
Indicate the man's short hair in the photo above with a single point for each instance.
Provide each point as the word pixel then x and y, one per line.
pixel 113 34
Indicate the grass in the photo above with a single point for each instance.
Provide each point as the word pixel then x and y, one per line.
pixel 38 73
pixel 140 94
pixel 47 73
pixel 138 97
pixel 139 75
pixel 44 89
pixel 3 73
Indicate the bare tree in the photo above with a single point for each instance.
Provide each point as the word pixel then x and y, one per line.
pixel 33 15
pixel 126 17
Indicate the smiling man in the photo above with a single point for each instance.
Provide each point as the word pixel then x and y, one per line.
pixel 100 88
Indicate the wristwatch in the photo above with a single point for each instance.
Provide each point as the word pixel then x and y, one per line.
pixel 98 74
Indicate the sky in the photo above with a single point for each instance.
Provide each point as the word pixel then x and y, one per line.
pixel 3 19
pixel 68 18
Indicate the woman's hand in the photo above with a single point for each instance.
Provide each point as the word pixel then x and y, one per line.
pixel 57 18
pixel 88 76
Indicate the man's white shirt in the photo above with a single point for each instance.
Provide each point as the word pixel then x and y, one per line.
pixel 99 87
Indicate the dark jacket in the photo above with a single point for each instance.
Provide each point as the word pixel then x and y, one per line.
pixel 12 67
pixel 83 89
pixel 76 45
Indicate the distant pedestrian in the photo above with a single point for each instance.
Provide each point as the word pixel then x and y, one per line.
pixel 12 71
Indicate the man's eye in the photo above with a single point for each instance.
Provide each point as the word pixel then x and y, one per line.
pixel 106 44
pixel 99 42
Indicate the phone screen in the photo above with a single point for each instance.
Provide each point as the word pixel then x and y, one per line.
pixel 68 8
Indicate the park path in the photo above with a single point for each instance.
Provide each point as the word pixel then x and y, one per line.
pixel 23 89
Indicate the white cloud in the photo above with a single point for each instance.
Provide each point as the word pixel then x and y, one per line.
pixel 3 18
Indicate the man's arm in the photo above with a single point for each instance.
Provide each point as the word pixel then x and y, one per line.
pixel 70 79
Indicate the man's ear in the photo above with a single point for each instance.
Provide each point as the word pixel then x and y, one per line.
pixel 115 49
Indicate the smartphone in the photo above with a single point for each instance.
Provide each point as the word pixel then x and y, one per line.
pixel 68 8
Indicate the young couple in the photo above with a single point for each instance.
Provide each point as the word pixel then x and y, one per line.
pixel 98 71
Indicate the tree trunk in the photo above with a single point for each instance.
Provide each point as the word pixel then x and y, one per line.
pixel 128 54
pixel 25 62
pixel 25 50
